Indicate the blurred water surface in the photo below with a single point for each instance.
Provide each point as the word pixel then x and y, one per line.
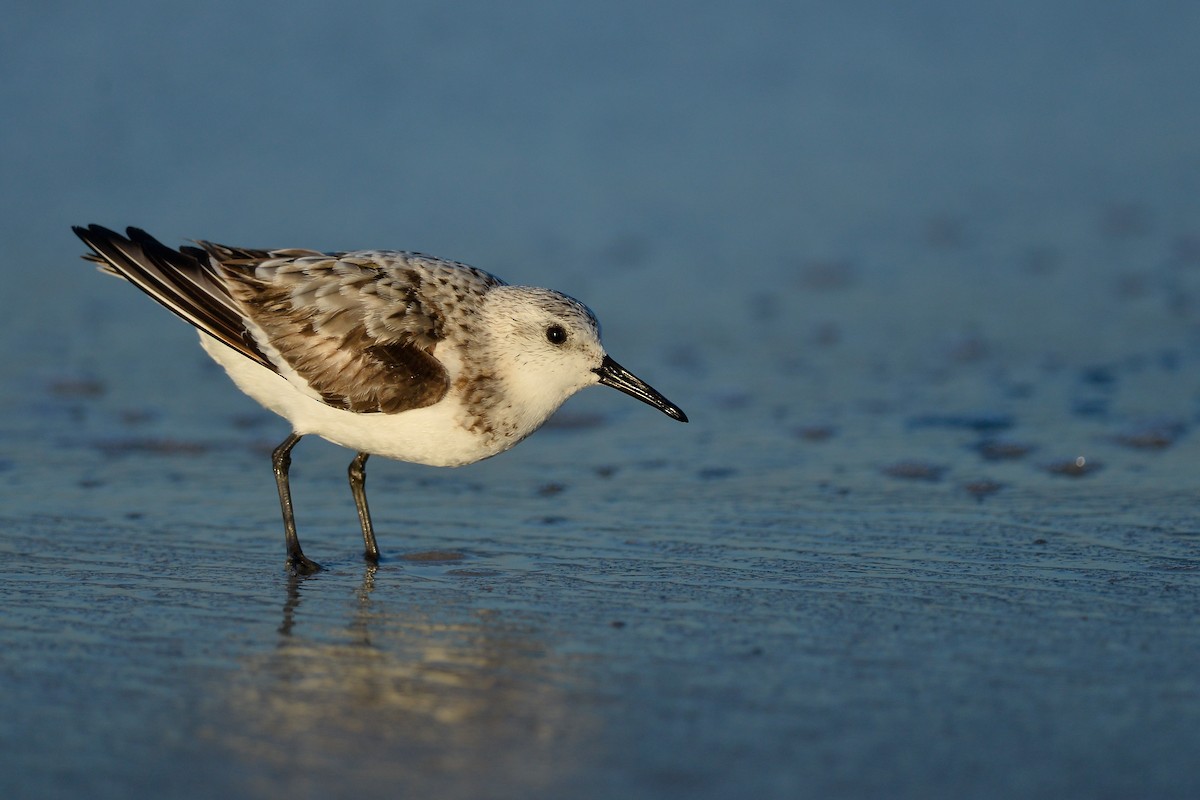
pixel 926 278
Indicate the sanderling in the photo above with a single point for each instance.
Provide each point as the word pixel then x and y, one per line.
pixel 384 352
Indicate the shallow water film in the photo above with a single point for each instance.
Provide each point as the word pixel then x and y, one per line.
pixel 925 279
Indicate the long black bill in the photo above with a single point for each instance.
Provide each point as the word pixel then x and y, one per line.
pixel 613 374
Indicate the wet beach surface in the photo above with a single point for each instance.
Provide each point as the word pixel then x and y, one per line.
pixel 931 532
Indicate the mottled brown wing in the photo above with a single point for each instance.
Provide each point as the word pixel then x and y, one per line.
pixel 360 328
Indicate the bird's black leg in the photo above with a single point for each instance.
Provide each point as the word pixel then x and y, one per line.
pixel 281 459
pixel 358 482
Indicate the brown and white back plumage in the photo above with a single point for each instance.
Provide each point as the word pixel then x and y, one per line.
pixel 386 352
pixel 357 328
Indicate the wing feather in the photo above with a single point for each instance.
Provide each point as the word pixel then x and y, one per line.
pixel 189 287
pixel 360 328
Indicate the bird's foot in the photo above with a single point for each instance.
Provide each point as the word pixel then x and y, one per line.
pixel 300 564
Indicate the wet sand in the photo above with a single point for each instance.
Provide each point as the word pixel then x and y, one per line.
pixel 909 601
pixel 930 533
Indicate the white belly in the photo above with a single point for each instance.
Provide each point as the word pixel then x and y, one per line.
pixel 434 435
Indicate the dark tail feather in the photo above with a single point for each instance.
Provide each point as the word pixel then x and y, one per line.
pixel 189 286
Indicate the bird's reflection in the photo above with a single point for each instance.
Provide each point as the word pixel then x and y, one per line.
pixel 390 689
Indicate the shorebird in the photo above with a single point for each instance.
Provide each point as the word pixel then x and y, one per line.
pixel 384 352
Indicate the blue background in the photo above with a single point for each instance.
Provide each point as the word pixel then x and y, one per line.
pixel 854 241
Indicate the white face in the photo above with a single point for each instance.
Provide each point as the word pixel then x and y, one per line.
pixel 546 345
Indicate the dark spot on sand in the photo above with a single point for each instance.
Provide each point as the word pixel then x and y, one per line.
pixel 77 387
pixel 1002 449
pixel 1186 249
pixel 944 232
pixel 136 416
pixel 915 471
pixel 1073 467
pixel 732 401
pixel 249 421
pixel 826 334
pixel 687 358
pixel 1090 407
pixel 1019 390
pixel 827 276
pixel 1132 285
pixel 1042 260
pixel 814 433
pixel 1124 221
pixel 630 251
pixel 715 473
pixel 1098 375
pixel 1152 435
pixel 965 348
pixel 982 488
pixel 763 307
pixel 1169 360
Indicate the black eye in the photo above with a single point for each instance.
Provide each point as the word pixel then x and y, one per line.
pixel 556 334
